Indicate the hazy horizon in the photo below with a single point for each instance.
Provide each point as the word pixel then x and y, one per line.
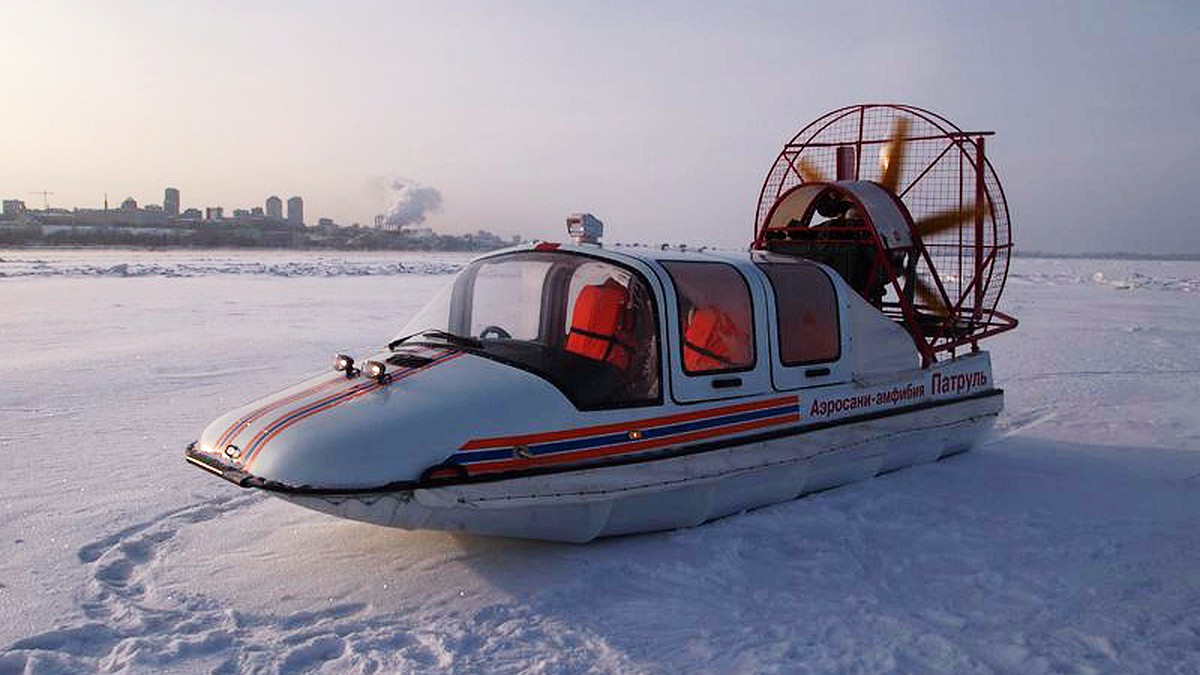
pixel 661 119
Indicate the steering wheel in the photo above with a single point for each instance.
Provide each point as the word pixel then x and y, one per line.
pixel 494 332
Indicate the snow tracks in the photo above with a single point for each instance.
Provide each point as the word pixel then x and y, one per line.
pixel 128 621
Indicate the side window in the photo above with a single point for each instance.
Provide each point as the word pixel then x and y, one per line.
pixel 716 321
pixel 806 304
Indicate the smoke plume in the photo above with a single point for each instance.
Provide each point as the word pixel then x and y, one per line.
pixel 411 203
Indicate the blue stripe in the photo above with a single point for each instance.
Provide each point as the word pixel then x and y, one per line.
pixel 622 438
pixel 697 425
pixel 262 437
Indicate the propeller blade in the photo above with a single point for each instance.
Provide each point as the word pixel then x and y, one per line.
pixel 946 220
pixel 930 298
pixel 809 171
pixel 893 159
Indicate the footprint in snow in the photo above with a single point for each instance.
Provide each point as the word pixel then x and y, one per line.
pixel 124 623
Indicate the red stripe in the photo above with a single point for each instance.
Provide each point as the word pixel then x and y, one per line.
pixel 254 446
pixel 334 402
pixel 328 405
pixel 529 439
pixel 260 438
pixel 240 425
pixel 625 448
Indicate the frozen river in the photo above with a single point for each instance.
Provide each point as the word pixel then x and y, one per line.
pixel 1070 542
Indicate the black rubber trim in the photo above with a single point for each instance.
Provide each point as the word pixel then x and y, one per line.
pixel 244 479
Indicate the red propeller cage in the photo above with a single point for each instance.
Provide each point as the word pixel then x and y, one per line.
pixel 944 169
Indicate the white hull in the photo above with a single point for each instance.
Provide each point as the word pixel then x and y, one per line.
pixel 475 430
pixel 681 491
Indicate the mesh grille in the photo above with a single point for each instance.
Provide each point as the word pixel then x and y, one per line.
pixel 937 176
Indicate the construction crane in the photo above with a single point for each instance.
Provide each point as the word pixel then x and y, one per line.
pixel 45 197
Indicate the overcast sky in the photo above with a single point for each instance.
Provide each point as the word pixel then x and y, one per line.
pixel 660 118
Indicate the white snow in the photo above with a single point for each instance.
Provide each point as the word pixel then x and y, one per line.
pixel 1069 543
pixel 184 263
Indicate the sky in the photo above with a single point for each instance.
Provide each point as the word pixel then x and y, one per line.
pixel 662 118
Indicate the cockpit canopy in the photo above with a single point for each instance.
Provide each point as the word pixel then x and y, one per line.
pixel 587 325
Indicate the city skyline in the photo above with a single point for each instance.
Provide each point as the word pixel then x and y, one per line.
pixel 171 205
pixel 661 119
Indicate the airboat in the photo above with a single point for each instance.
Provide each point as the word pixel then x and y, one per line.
pixel 569 391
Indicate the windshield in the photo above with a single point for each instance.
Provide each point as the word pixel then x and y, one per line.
pixel 589 326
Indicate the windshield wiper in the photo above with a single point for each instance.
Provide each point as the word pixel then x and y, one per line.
pixel 445 336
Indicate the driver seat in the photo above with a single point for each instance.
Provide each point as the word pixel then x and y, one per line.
pixel 600 324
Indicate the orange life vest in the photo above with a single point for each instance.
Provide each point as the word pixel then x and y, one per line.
pixel 713 341
pixel 599 323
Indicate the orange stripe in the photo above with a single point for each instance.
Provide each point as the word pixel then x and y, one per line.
pixel 529 439
pixel 254 446
pixel 530 462
pixel 333 403
pixel 254 442
pixel 246 420
pixel 328 405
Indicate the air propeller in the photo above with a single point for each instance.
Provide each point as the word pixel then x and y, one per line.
pixel 944 276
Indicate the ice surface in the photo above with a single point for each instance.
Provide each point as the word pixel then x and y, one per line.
pixel 138 263
pixel 1069 543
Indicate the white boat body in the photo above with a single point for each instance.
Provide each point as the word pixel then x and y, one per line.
pixel 460 442
pixel 675 492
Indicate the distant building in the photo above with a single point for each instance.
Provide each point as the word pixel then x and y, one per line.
pixel 214 213
pixel 241 213
pixel 130 204
pixel 13 207
pixel 295 212
pixel 415 231
pixel 274 207
pixel 256 211
pixel 379 221
pixel 171 202
pixel 325 222
pixel 191 214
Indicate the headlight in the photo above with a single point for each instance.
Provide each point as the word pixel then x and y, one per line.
pixel 344 364
pixel 377 370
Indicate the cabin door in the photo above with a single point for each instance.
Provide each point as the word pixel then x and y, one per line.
pixel 715 331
